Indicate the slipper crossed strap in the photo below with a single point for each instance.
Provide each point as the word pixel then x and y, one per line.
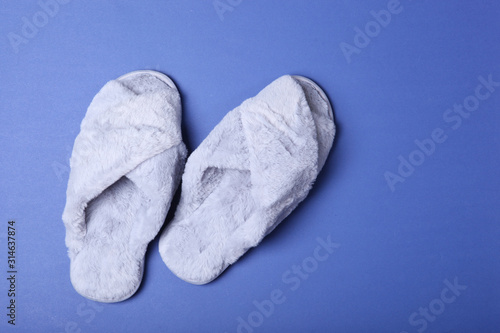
pixel 250 172
pixel 126 163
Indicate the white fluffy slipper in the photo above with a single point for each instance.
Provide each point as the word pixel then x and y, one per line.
pixel 127 162
pixel 250 172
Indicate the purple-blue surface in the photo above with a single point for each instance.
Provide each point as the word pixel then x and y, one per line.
pixel 401 231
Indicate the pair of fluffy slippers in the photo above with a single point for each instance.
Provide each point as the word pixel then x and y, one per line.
pixel 250 172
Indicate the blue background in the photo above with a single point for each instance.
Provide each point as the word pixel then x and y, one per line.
pixel 396 247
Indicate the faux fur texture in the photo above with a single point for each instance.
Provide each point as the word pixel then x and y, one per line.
pixel 251 171
pixel 127 162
